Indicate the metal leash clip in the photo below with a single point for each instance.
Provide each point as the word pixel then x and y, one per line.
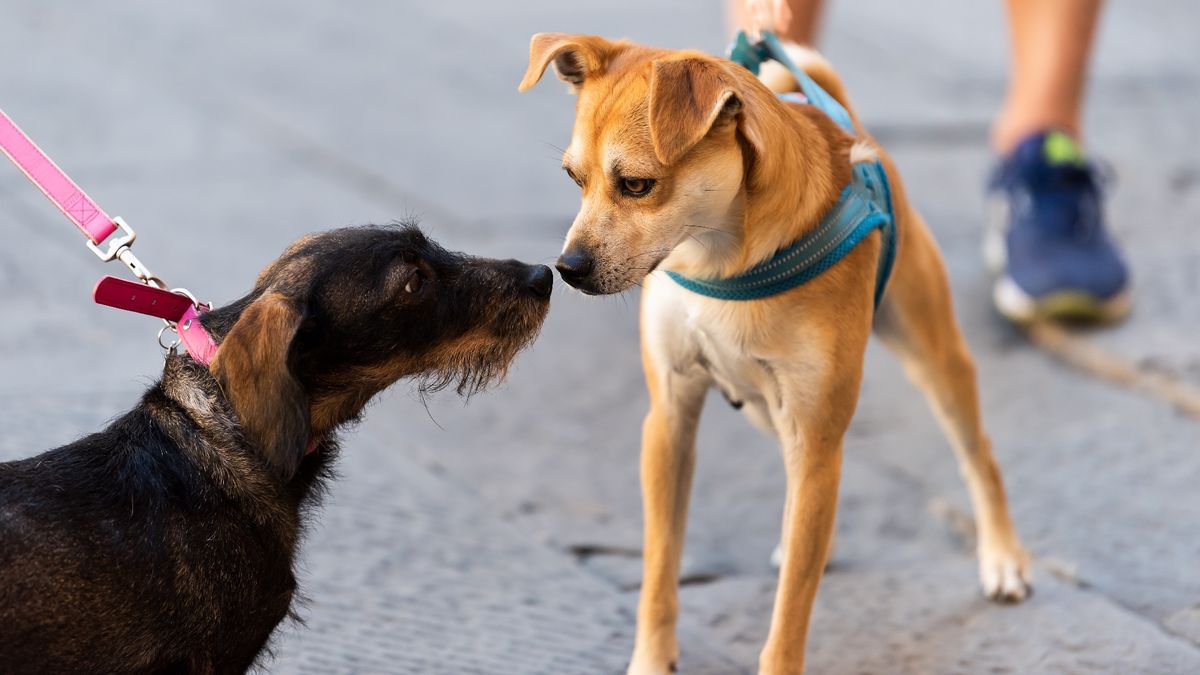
pixel 121 249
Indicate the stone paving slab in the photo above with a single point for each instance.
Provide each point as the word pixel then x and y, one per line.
pixel 504 536
pixel 946 629
pixel 415 576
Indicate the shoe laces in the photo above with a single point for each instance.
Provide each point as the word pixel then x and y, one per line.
pixel 1072 192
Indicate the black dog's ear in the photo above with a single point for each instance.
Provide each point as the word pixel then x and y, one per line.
pixel 252 368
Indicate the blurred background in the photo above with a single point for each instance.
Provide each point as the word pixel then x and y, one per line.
pixel 503 536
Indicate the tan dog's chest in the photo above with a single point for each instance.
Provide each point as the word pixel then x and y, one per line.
pixel 713 340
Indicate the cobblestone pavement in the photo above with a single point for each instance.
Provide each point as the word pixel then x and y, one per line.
pixel 503 536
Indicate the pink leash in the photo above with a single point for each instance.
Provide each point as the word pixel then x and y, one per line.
pixel 177 308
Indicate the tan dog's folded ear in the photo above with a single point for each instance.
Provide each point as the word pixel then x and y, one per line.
pixel 687 96
pixel 252 368
pixel 575 57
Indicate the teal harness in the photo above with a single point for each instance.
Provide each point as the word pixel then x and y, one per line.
pixel 864 206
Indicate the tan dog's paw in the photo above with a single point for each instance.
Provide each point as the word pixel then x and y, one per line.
pixel 1005 574
pixel 645 663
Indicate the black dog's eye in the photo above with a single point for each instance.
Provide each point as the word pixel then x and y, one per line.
pixel 414 282
pixel 636 187
pixel 573 176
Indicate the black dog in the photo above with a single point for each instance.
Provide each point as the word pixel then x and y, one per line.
pixel 165 543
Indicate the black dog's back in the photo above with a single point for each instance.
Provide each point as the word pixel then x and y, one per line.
pixel 122 553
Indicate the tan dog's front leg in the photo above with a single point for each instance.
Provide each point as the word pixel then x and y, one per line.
pixel 668 459
pixel 812 492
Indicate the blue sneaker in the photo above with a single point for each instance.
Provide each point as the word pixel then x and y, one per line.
pixel 1047 242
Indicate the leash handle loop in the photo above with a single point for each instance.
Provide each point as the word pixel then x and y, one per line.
pixel 73 202
pixel 54 183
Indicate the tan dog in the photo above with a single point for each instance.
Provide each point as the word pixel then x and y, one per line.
pixel 689 163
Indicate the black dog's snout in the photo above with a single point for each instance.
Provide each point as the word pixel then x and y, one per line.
pixel 540 280
pixel 575 265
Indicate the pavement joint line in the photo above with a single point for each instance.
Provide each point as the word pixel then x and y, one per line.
pixel 585 551
pixel 959 523
pixel 1084 587
pixel 1068 573
pixel 961 527
pixel 1081 354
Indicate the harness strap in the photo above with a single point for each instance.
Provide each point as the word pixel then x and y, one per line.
pixel 856 214
pixel 864 205
pixel 751 56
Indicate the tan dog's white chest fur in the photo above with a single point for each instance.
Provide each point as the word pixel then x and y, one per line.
pixel 696 337
pixel 687 163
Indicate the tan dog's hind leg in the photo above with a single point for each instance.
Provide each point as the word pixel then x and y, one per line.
pixel 917 323
pixel 668 460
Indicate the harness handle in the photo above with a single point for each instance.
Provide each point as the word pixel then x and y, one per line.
pixel 751 56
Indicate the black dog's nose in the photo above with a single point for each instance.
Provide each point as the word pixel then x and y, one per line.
pixel 575 265
pixel 540 280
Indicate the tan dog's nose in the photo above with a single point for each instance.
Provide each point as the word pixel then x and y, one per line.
pixel 575 265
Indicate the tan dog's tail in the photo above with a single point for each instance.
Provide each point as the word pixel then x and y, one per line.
pixel 779 80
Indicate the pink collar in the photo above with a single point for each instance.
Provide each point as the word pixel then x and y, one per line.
pixel 177 308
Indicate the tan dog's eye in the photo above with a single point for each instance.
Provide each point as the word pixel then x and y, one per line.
pixel 573 176
pixel 636 187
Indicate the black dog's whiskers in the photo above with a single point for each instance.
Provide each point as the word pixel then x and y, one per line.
pixel 470 373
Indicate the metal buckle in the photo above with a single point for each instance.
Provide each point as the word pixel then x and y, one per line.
pixel 119 249
pixel 115 246
pixel 139 270
pixel 203 306
pixel 168 348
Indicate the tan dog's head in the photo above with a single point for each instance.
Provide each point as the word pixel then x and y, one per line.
pixel 660 149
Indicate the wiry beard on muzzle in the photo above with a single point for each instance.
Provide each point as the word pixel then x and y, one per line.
pixel 469 372
pixel 483 363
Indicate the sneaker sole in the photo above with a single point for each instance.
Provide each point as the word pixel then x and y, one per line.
pixel 1071 306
